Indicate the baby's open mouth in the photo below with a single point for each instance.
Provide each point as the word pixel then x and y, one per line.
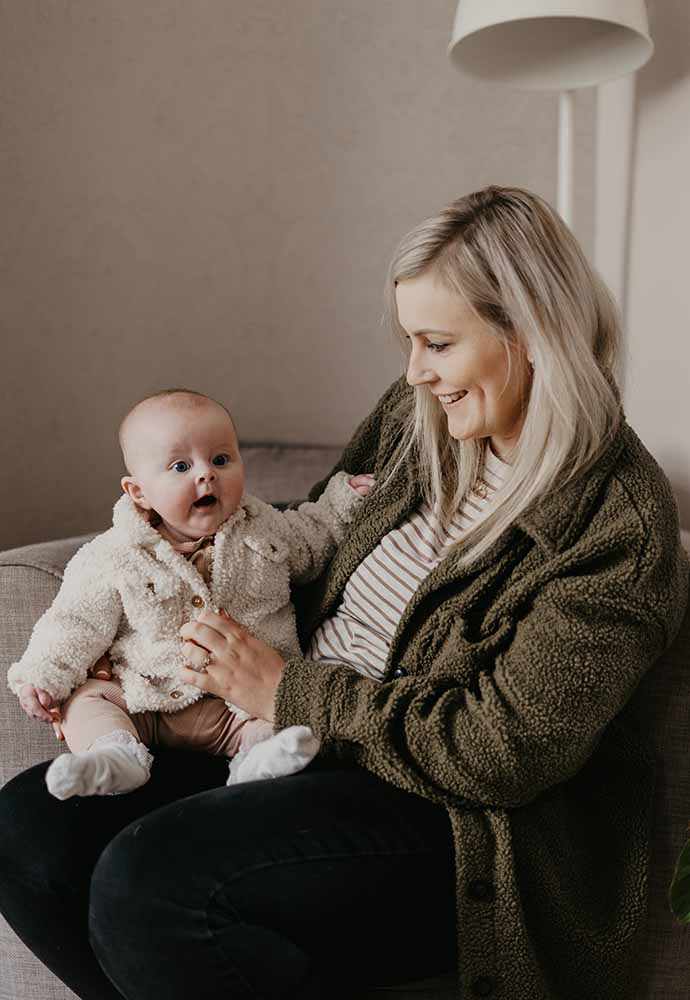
pixel 207 501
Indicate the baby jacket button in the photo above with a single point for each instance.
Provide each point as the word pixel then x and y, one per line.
pixel 197 602
pixel 480 889
pixel 175 694
pixel 400 672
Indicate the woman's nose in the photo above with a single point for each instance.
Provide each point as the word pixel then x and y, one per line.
pixel 417 374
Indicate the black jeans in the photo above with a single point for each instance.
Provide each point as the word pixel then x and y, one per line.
pixel 297 886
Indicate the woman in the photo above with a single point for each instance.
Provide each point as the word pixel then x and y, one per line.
pixel 487 796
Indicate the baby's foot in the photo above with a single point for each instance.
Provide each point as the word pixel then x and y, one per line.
pixel 110 767
pixel 287 752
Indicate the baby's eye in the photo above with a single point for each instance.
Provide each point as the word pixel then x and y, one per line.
pixel 221 460
pixel 181 466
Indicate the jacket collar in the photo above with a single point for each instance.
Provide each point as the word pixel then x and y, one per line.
pixel 553 522
pixel 132 525
pixel 557 519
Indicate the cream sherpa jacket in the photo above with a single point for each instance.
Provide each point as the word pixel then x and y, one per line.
pixel 128 591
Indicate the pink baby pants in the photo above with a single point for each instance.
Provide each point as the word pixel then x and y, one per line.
pixel 97 708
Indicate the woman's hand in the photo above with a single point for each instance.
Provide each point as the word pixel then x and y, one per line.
pixel 241 669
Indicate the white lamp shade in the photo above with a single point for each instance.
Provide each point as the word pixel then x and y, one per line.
pixel 550 44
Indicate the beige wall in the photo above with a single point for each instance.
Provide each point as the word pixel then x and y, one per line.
pixel 657 393
pixel 208 193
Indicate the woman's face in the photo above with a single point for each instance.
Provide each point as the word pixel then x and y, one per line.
pixel 453 352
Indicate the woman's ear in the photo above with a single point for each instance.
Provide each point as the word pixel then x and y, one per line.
pixel 135 492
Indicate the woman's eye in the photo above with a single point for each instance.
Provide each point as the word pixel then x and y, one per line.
pixel 437 348
pixel 221 460
pixel 181 466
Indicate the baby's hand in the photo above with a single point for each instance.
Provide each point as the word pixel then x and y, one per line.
pixel 39 704
pixel 362 484
pixel 36 702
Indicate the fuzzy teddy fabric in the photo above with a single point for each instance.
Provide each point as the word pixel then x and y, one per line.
pixel 509 698
pixel 128 591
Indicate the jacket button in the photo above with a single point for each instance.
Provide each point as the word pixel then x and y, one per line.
pixel 480 889
pixel 197 602
pixel 175 694
pixel 482 986
pixel 400 672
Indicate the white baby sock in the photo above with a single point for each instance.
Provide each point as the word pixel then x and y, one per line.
pixel 287 752
pixel 114 763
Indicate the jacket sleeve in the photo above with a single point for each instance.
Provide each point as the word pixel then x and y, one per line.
pixel 316 528
pixel 74 632
pixel 536 714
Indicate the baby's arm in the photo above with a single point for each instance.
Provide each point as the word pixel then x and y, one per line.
pixel 316 529
pixel 74 632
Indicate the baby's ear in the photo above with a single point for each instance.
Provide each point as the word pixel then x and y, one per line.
pixel 135 492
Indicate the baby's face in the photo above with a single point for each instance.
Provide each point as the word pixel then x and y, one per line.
pixel 185 464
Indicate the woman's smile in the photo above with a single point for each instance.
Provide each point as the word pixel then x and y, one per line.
pixel 451 399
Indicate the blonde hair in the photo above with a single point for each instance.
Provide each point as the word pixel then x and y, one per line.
pixel 517 266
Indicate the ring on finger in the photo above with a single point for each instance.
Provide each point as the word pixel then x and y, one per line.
pixel 203 668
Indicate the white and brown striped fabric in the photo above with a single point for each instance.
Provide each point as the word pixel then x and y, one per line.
pixel 360 632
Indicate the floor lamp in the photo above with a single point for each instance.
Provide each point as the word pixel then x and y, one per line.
pixel 552 45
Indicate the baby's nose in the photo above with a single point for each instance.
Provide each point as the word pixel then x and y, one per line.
pixel 207 475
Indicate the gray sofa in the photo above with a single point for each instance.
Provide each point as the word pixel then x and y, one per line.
pixel 29 580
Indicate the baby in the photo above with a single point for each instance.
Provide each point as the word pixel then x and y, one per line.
pixel 185 537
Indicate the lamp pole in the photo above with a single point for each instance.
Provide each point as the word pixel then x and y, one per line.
pixel 565 155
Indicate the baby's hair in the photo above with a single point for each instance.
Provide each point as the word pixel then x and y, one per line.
pixel 193 396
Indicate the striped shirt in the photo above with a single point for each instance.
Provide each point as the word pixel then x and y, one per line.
pixel 362 628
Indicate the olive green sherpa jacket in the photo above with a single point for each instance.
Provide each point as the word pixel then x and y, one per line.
pixel 507 698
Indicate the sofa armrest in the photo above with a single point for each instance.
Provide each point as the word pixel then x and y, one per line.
pixel 29 580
